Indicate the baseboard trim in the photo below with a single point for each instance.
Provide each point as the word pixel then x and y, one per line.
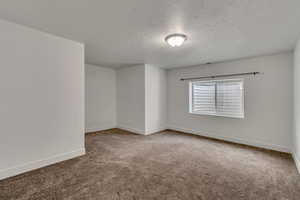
pixel 133 130
pixel 6 173
pixel 140 132
pixel 297 161
pixel 234 140
pixel 153 131
pixel 100 128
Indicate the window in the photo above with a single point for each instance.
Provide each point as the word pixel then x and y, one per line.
pixel 219 98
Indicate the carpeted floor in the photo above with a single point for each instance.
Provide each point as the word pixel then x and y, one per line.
pixel 169 165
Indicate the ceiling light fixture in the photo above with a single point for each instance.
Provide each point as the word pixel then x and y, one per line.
pixel 176 40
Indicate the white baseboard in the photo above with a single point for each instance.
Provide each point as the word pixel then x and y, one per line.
pixel 99 128
pixel 130 129
pixel 152 131
pixel 6 173
pixel 297 161
pixel 234 140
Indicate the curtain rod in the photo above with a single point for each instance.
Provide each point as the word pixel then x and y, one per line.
pixel 222 75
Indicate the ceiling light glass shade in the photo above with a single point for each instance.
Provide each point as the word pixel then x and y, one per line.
pixel 176 40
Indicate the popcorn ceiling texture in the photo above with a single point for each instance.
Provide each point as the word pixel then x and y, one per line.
pixel 169 165
pixel 124 33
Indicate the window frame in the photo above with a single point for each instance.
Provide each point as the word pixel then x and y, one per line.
pixel 216 114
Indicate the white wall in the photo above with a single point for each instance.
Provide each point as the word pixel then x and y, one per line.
pixel 268 103
pixel 141 99
pixel 100 100
pixel 296 133
pixel 42 99
pixel 156 97
pixel 131 98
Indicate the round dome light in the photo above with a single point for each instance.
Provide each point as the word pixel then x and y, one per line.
pixel 176 40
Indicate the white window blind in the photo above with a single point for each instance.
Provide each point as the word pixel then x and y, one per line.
pixel 220 98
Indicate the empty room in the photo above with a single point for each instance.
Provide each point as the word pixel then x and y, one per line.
pixel 150 100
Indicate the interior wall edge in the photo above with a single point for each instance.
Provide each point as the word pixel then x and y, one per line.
pixel 17 170
pixel 231 139
pixel 297 161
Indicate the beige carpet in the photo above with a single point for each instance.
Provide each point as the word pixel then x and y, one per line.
pixel 168 165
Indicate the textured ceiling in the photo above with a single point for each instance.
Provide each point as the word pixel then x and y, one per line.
pixel 125 32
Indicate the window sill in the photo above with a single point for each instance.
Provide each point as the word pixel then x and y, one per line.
pixel 216 115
